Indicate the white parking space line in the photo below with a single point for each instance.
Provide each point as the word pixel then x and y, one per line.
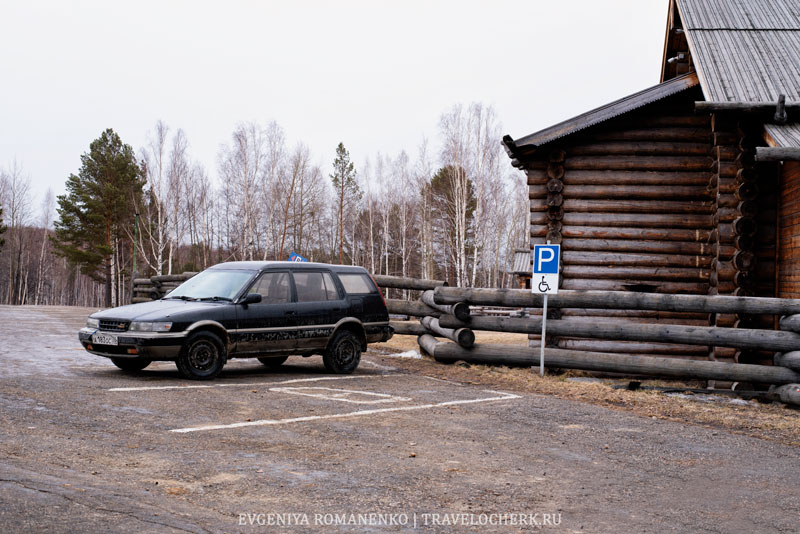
pixel 246 384
pixel 342 395
pixel 272 422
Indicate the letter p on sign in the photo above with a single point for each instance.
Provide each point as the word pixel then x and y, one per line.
pixel 545 269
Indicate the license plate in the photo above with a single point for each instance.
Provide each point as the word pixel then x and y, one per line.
pixel 104 339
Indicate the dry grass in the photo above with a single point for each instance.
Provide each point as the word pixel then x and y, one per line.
pixel 772 421
pixel 406 343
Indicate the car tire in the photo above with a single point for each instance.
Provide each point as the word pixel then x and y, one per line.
pixel 343 354
pixel 130 364
pixel 273 363
pixel 202 356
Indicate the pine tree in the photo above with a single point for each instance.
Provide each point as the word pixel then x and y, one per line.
pixel 98 207
pixel 344 181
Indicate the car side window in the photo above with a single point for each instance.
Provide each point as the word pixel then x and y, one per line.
pixel 310 287
pixel 357 284
pixel 273 288
pixel 330 286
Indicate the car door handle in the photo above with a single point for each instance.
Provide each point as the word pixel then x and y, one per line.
pixel 290 313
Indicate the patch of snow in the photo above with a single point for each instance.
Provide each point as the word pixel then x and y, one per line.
pixel 709 398
pixel 413 354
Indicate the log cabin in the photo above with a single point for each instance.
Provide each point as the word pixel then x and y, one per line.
pixel 691 186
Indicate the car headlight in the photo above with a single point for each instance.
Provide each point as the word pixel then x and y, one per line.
pixel 92 323
pixel 147 326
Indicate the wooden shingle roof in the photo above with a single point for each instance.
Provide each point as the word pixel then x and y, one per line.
pixel 744 50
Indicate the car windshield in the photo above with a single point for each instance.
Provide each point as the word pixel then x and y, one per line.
pixel 218 284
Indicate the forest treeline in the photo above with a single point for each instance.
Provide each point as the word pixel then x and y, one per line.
pixel 456 212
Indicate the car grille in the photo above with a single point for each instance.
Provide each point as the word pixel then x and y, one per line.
pixel 114 326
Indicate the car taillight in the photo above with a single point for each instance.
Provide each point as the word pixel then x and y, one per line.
pixel 379 288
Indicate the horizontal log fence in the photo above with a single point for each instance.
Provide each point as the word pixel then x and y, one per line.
pixel 740 338
pixel 620 300
pixel 398 282
pixel 610 362
pixel 461 335
pixel 617 319
pixel 155 287
pixel 445 312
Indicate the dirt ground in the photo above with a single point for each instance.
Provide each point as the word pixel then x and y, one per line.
pixel 402 445
pixel 767 420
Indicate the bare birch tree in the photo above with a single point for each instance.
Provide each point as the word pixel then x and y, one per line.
pixel 456 135
pixel 42 267
pixel 17 211
pixel 241 167
pixel 178 175
pixel 154 228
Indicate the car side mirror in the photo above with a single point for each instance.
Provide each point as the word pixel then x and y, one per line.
pixel 251 298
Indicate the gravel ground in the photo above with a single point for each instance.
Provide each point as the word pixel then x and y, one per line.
pixel 403 445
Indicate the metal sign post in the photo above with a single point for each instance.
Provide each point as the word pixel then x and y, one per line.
pixel 545 282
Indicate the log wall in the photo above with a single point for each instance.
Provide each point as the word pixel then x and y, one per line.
pixel 788 276
pixel 667 200
pixel 629 202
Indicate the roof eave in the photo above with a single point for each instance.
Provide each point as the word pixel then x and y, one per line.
pixel 599 115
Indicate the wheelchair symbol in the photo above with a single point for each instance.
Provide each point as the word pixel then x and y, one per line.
pixel 544 286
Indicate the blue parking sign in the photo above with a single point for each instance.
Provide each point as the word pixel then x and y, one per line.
pixel 545 269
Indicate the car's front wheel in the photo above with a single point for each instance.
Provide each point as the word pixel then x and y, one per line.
pixel 202 357
pixel 130 364
pixel 343 354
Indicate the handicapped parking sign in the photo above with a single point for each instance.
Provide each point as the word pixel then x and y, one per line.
pixel 545 269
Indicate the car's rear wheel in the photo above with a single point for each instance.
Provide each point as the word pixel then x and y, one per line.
pixel 202 357
pixel 273 363
pixel 130 364
pixel 343 354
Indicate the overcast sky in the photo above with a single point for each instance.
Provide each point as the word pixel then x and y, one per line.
pixel 375 75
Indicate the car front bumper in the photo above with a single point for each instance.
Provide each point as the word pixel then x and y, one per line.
pixel 147 345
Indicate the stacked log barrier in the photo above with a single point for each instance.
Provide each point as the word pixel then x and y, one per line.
pixel 459 309
pixel 461 335
pixel 785 341
pixel 155 287
pixel 426 309
pixel 790 359
pixel 789 393
pixel 411 308
pixel 628 201
pixel 740 338
pixel 408 328
pixel 610 362
pixel 620 300
pixel 385 281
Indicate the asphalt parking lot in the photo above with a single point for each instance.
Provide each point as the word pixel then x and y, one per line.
pixel 86 447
